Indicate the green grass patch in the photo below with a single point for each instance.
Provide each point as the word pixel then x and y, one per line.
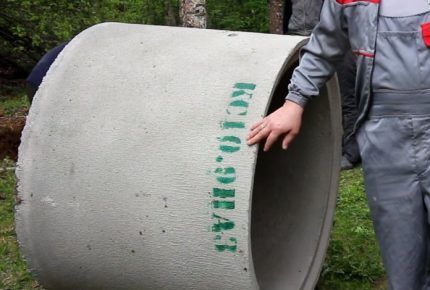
pixel 13 97
pixel 353 260
pixel 13 270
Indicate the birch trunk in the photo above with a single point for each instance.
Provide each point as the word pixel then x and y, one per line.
pixel 193 13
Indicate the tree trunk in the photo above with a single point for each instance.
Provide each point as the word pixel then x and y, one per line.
pixel 169 15
pixel 275 16
pixel 193 13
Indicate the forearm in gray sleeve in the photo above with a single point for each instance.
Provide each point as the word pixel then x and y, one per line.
pixel 327 46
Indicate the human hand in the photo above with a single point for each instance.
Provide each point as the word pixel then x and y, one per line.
pixel 285 120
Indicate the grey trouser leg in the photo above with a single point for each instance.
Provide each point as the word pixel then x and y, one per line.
pixel 395 152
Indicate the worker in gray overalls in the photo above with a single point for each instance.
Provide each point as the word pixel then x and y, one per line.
pixel 391 39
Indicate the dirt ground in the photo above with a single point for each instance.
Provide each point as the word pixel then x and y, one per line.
pixel 10 133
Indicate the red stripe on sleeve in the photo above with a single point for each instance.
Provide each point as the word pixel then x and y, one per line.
pixel 364 53
pixel 343 2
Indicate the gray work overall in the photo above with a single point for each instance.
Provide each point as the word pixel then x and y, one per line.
pixel 394 144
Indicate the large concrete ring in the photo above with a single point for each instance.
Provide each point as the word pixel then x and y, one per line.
pixel 134 171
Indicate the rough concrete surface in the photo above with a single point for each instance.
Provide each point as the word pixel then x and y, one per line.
pixel 134 172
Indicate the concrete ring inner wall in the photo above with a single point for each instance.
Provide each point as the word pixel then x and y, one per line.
pixel 294 194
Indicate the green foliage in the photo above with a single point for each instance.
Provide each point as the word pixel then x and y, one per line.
pixel 251 15
pixel 13 271
pixel 30 28
pixel 353 255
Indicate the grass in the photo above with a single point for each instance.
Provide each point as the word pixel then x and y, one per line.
pixel 13 97
pixel 353 260
pixel 13 271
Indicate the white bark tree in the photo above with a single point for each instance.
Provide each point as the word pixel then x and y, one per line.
pixel 193 13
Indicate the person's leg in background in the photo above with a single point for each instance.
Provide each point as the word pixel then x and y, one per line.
pixel 346 73
pixel 301 16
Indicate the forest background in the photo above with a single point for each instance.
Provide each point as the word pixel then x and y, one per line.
pixel 29 28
